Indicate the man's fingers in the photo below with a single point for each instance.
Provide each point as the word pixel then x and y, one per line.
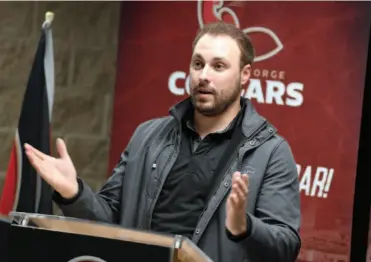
pixel 62 149
pixel 237 195
pixel 243 184
pixel 239 192
pixel 235 176
pixel 239 189
pixel 36 152
pixel 234 199
pixel 34 160
pixel 44 168
pixel 241 181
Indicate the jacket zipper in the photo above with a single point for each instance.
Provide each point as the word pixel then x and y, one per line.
pixel 226 173
pixel 239 159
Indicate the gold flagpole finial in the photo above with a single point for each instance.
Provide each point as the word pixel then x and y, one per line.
pixel 49 16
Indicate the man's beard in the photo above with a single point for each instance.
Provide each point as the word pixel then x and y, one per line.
pixel 221 100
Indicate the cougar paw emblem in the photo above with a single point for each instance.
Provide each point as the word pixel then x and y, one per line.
pixel 212 11
pixel 86 259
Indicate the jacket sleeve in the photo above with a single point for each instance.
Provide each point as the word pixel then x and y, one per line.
pixel 103 206
pixel 274 228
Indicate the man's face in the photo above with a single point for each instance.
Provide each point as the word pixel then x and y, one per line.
pixel 216 76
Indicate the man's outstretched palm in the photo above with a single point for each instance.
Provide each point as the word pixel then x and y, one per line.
pixel 236 204
pixel 60 173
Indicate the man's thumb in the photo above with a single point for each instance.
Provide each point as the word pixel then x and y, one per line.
pixel 62 149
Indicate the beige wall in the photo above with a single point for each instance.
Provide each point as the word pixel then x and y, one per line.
pixel 85 46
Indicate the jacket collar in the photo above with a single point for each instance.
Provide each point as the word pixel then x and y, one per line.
pixel 251 123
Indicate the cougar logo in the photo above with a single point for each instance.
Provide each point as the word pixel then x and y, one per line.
pixel 211 11
pixel 86 259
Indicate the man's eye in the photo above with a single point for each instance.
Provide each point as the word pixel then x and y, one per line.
pixel 197 64
pixel 219 66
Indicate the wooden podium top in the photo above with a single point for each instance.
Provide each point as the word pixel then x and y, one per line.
pixel 184 248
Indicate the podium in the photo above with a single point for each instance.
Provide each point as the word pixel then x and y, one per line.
pixel 40 238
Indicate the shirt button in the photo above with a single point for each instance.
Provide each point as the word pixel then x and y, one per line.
pixel 197 231
pixel 226 184
pixel 252 142
pixel 270 130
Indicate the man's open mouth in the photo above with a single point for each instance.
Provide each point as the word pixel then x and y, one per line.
pixel 205 92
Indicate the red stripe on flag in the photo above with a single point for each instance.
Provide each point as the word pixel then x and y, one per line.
pixel 10 185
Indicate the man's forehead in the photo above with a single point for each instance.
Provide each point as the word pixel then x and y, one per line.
pixel 220 46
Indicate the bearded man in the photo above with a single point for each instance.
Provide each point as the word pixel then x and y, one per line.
pixel 214 171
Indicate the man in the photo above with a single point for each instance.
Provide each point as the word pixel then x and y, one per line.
pixel 214 171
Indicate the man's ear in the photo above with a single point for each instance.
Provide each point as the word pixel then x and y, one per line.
pixel 245 74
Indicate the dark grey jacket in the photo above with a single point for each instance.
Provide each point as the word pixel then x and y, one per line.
pixel 129 196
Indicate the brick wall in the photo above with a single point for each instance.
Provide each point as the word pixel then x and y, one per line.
pixel 85 47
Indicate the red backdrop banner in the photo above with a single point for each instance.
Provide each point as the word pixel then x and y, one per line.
pixel 308 80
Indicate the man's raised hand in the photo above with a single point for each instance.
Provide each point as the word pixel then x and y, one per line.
pixel 59 173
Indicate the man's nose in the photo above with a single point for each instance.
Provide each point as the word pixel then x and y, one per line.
pixel 204 76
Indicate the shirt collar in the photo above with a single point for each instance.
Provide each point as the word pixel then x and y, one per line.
pixel 228 131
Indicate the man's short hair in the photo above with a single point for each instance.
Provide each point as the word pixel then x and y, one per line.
pixel 222 28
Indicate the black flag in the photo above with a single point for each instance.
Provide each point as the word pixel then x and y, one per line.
pixel 24 190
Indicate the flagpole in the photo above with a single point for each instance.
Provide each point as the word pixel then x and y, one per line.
pixel 43 196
